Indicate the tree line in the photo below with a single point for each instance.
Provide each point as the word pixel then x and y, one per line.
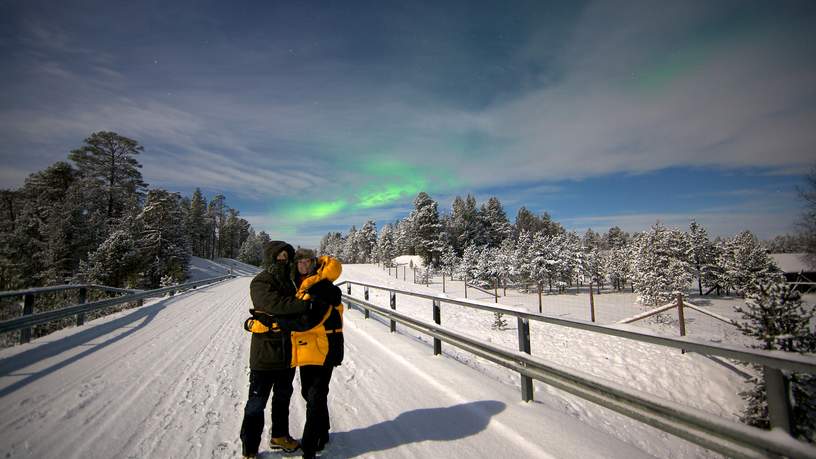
pixel 480 243
pixel 93 219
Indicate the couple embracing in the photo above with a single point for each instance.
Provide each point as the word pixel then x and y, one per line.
pixel 297 322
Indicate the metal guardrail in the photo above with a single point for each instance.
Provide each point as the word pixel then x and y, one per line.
pixel 728 437
pixel 60 288
pixel 29 320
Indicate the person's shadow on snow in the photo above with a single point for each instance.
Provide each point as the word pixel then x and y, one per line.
pixel 426 424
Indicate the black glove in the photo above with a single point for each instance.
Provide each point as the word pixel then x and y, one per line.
pixel 327 292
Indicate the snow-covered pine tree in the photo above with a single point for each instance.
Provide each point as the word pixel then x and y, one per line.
pixel 594 267
pixel 540 256
pixel 196 223
pixel 747 263
pixel 504 261
pixel 615 238
pixel 162 239
pixel 469 267
pixel 351 246
pixel 108 159
pixel 660 265
pixel 495 222
pixel 701 253
pixel 117 262
pixel 367 241
pixel 403 237
pixel 384 248
pixel 332 245
pixel 448 260
pixel 521 256
pixel 426 228
pixel 618 266
pixel 776 317
pixel 252 250
pixel 466 225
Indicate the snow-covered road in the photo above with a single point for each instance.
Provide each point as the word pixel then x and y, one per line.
pixel 169 379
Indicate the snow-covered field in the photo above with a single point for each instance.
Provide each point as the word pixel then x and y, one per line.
pixel 169 379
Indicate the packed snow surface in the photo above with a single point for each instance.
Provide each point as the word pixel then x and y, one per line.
pixel 170 379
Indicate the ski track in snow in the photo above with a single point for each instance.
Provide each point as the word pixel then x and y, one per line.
pixel 170 379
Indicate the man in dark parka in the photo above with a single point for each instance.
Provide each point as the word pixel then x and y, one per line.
pixel 273 297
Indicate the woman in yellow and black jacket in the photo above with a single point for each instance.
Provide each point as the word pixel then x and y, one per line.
pixel 318 348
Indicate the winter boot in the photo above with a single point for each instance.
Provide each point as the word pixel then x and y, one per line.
pixel 286 443
pixel 322 442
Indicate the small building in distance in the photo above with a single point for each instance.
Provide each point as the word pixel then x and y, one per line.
pixel 796 270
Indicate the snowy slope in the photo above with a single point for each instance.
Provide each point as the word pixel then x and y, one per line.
pixel 169 379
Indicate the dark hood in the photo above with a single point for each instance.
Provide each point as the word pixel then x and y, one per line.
pixel 273 248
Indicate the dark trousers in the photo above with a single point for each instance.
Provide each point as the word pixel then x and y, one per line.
pixel 261 383
pixel 314 386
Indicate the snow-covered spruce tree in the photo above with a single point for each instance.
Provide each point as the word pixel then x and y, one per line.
pixel 386 250
pixel 495 222
pixel 701 253
pixel 660 264
pixel 403 237
pixel 504 261
pixel 331 244
pixel 521 257
pixel 466 224
pixel 776 317
pixel 540 257
pixel 448 260
pixel 117 262
pixel 368 241
pixel 469 267
pixel 594 267
pixel 251 250
pixel 426 228
pixel 351 245
pixel 747 263
pixel 618 267
pixel 161 238
pixel 197 224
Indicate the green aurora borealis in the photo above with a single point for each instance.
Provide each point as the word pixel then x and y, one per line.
pixel 377 184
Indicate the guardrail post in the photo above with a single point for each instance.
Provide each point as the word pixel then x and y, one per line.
pixel 393 307
pixel 404 269
pixel 540 308
pixel 443 281
pixel 681 316
pixel 348 288
pixel 524 346
pixel 777 387
pixel 28 309
pixel 465 276
pixel 83 298
pixel 365 293
pixel 437 318
pixel 591 303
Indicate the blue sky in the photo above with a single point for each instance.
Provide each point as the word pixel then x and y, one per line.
pixel 314 116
